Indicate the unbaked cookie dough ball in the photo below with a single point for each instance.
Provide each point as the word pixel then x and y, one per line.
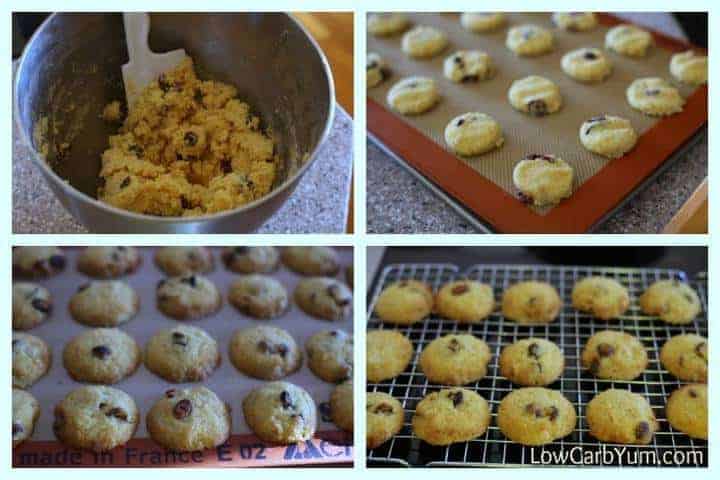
pixel 423 42
pixel 376 70
pixel 413 95
pixel 608 135
pixel 529 40
pixel 386 24
pixel 689 67
pixel 468 66
pixel 480 22
pixel 628 40
pixel 586 65
pixel 575 21
pixel 473 133
pixel 543 179
pixel 535 95
pixel 654 96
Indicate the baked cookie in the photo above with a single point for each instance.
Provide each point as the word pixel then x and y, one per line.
pixel 182 354
pixel 109 262
pixel 101 355
pixel 376 69
pixel 455 359
pixel 31 305
pixel 385 24
pixel 324 298
pixel 689 67
pixel 673 301
pixel 330 355
pixel 535 95
pixel 250 259
pixel 176 261
pixel 37 262
pixel 104 303
pixel 575 21
pixel 473 133
pixel 531 302
pixel 529 40
pixel 466 66
pixel 655 97
pixel 311 261
pixel 543 179
pixel 404 302
pixel 532 362
pixel 341 406
pixel 628 40
pixel 620 416
pixel 687 410
pixel 451 416
pixel 605 298
pixel 187 420
pixel 259 296
pixel 25 412
pixel 465 301
pixel 614 355
pixel 31 359
pixel 413 95
pixel 384 418
pixel 188 297
pixel 96 418
pixel 588 65
pixel 608 135
pixel 265 352
pixel 388 354
pixel 685 356
pixel 480 22
pixel 280 412
pixel 423 42
pixel 536 416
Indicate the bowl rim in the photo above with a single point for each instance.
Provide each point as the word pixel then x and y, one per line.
pixel 78 195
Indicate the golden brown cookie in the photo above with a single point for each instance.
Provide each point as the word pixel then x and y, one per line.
pixel 603 297
pixel 673 301
pixel 101 355
pixel 311 261
pixel 341 406
pixel 265 352
pixel 531 303
pixel 465 301
pixel 182 354
pixel 532 362
pixel 455 359
pixel 31 359
pixel 451 416
pixel 686 357
pixel 388 354
pixel 614 355
pixel 109 262
pixel 385 417
pixel 620 416
pixel 280 412
pixel 404 302
pixel 25 413
pixel 31 305
pixel 184 260
pixel 687 410
pixel 536 416
pixel 37 262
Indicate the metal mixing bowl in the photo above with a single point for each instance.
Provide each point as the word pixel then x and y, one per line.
pixel 71 69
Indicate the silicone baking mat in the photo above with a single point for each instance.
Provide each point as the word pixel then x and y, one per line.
pixel 484 183
pixel 243 448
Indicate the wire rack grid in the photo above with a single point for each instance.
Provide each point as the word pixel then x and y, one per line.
pixel 570 332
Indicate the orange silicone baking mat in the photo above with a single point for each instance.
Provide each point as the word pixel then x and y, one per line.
pixel 483 184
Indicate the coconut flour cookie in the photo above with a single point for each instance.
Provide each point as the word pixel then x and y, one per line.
pixel 614 355
pixel 186 420
pixel 259 296
pixel 280 412
pixel 104 303
pixel 96 418
pixel 687 410
pixel 586 65
pixel 686 357
pixel 655 97
pixel 455 359
pixel 532 362
pixel 465 301
pixel 536 416
pixel 384 416
pixel 423 42
pixel 341 406
pixel 31 305
pixel 620 416
pixel 188 297
pixel 386 24
pixel 376 70
pixel 101 355
pixel 30 359
pixel 330 355
pixel 529 40
pixel 388 354
pixel 531 302
pixel 404 302
pixel 182 354
pixel 543 179
pixel 324 298
pixel 628 40
pixel 25 412
pixel 575 21
pixel 109 262
pixel 480 22
pixel 265 352
pixel 673 301
pixel 184 260
pixel 603 297
pixel 608 135
pixel 450 416
pixel 413 95
pixel 535 95
pixel 466 66
pixel 689 67
pixel 311 261
pixel 473 133
pixel 37 262
pixel 250 259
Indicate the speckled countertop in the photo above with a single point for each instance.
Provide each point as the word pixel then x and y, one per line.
pixel 399 203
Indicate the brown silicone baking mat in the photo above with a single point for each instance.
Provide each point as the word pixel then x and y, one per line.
pixel 484 183
pixel 243 448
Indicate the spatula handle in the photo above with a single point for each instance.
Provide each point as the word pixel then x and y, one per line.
pixel 137 28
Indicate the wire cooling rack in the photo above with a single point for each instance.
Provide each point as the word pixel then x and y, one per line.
pixel 570 332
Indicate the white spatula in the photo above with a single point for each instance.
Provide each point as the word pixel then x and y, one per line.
pixel 144 65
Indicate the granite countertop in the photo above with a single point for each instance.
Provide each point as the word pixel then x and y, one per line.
pixel 399 203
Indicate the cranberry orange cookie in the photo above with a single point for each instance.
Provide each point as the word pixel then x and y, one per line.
pixel 480 22
pixel 614 355
pixel 184 260
pixel 265 352
pixel 280 412
pixel 30 359
pixel 535 95
pixel 37 262
pixel 529 40
pixel 101 355
pixel 188 297
pixel 532 362
pixel 109 262
pixel 104 303
pixel 31 305
pixel 330 355
pixel 384 416
pixel 473 133
pixel 468 66
pixel 531 302
pixel 423 42
pixel 187 420
pixel 250 259
pixel 655 97
pixel 465 301
pixel 620 416
pixel 386 24
pixel 311 261
pixel 451 416
pixel 575 21
pixel 687 410
pixel 259 296
pixel 685 356
pixel 96 418
pixel 689 67
pixel 543 179
pixel 536 416
pixel 341 406
pixel 413 95
pixel 182 354
pixel 324 298
pixel 604 297
pixel 455 359
pixel 608 136
pixel 388 354
pixel 376 70
pixel 404 302
pixel 586 65
pixel 628 40
pixel 25 412
pixel 673 301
